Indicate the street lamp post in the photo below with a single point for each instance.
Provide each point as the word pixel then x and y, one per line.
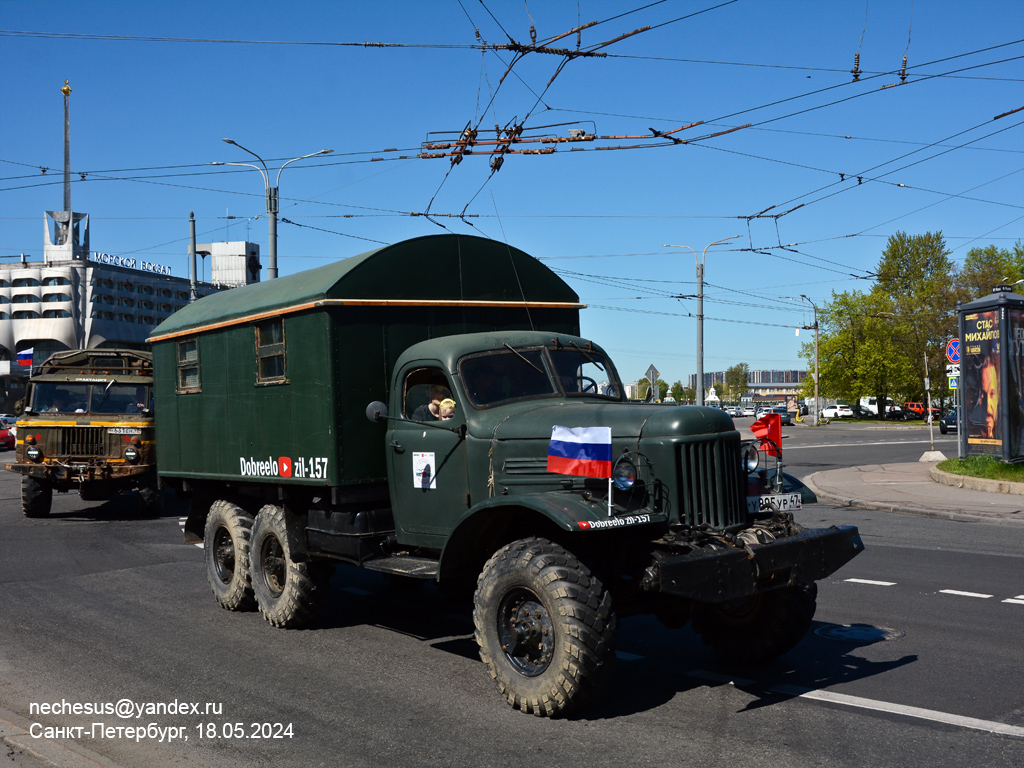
pixel 815 328
pixel 816 403
pixel 700 311
pixel 272 199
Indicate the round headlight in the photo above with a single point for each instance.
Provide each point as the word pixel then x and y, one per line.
pixel 751 457
pixel 130 454
pixel 34 453
pixel 624 474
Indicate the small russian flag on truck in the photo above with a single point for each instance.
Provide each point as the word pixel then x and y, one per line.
pixel 585 451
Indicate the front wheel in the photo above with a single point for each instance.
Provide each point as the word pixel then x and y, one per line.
pixel 290 591
pixel 545 627
pixel 760 627
pixel 36 497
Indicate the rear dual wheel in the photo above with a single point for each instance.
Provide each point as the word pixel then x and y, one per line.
pixel 290 591
pixel 226 549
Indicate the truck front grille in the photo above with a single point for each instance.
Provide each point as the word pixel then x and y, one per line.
pixel 82 442
pixel 712 483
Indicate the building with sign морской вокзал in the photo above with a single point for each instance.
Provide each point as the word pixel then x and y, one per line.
pixel 78 299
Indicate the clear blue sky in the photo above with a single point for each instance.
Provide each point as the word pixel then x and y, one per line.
pixel 147 115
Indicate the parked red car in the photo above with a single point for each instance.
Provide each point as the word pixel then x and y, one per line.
pixel 6 440
pixel 918 410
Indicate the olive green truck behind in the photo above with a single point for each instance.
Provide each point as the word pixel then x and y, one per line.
pixel 86 424
pixel 395 411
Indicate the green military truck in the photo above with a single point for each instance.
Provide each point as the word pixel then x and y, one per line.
pixel 86 423
pixel 272 417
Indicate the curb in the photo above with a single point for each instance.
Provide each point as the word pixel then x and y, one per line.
pixel 958 517
pixel 977 483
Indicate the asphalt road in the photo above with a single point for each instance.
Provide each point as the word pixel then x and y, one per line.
pixel 834 445
pixel 904 668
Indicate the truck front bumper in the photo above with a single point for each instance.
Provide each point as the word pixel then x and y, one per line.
pixel 71 475
pixel 717 575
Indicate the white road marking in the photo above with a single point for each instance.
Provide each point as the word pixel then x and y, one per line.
pixel 963 594
pixel 356 591
pixel 787 447
pixel 878 706
pixel 1014 600
pixel 627 656
pixel 875 583
pixel 181 524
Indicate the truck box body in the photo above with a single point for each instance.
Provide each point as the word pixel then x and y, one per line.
pixel 344 326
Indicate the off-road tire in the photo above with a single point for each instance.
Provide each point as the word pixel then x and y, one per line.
pixel 757 628
pixel 290 591
pixel 226 549
pixel 545 626
pixel 150 497
pixel 36 497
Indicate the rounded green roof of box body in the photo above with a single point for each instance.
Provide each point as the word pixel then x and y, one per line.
pixel 433 268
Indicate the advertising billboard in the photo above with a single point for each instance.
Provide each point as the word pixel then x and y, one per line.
pixel 980 374
pixel 1015 391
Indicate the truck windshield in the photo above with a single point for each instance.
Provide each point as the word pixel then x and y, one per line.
pixel 524 374
pixel 72 397
pixel 584 372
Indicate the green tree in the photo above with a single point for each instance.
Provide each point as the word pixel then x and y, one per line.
pixel 644 384
pixel 917 276
pixel 984 268
pixel 737 380
pixel 676 390
pixel 874 343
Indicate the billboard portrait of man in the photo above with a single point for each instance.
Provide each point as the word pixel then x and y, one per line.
pixel 981 376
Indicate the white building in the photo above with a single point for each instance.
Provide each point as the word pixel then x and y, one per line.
pixel 79 299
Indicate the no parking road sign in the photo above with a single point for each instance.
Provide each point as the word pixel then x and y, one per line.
pixel 953 350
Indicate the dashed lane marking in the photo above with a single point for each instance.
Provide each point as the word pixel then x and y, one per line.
pixel 964 594
pixel 1018 600
pixel 624 656
pixel 181 524
pixel 788 447
pixel 878 706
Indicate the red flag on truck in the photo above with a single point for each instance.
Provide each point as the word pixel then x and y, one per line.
pixel 768 428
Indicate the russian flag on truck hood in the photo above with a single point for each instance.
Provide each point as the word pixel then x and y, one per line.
pixel 585 451
pixel 25 356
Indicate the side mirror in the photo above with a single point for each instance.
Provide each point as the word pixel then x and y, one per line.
pixel 376 411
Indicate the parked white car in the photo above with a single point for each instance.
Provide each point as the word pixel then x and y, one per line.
pixel 748 410
pixel 838 411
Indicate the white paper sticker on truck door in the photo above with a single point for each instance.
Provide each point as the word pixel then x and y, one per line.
pixel 423 470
